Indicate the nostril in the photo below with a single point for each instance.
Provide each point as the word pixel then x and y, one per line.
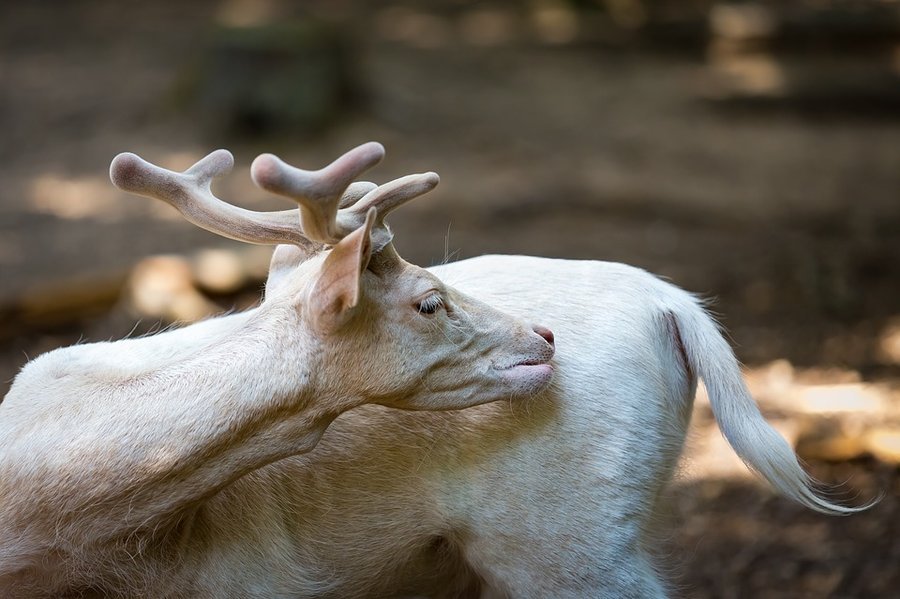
pixel 544 332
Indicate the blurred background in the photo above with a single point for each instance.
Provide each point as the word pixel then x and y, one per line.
pixel 748 151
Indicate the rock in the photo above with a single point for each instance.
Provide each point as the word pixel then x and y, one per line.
pixel 163 287
pixel 883 442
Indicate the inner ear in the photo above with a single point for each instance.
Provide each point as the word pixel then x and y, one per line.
pixel 337 291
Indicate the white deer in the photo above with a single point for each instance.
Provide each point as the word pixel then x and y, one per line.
pixel 182 465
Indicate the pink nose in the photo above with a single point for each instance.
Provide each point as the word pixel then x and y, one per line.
pixel 544 332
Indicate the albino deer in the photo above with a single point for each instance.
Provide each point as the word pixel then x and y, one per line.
pixel 105 449
pixel 195 463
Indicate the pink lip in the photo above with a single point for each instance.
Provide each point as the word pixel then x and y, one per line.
pixel 529 363
pixel 533 375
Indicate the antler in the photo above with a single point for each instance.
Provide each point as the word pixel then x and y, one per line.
pixel 327 220
pixel 320 194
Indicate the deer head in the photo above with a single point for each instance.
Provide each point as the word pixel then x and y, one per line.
pixel 363 325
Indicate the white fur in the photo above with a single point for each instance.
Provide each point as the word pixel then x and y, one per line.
pixel 552 495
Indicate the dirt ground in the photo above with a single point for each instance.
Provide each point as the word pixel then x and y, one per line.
pixel 783 209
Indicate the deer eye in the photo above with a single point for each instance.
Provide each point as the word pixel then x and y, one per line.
pixel 431 304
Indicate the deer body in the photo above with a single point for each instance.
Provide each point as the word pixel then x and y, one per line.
pixel 197 463
pixel 523 497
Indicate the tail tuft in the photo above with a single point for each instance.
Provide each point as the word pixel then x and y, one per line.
pixel 761 448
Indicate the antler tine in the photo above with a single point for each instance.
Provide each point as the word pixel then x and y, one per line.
pixel 385 198
pixel 354 193
pixel 318 192
pixel 391 195
pixel 189 192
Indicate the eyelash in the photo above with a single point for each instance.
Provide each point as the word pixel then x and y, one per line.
pixel 431 304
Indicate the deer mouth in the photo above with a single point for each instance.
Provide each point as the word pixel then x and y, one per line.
pixel 530 362
pixel 531 359
pixel 527 376
pixel 543 361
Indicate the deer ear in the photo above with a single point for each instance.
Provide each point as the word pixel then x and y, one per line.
pixel 285 260
pixel 336 292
